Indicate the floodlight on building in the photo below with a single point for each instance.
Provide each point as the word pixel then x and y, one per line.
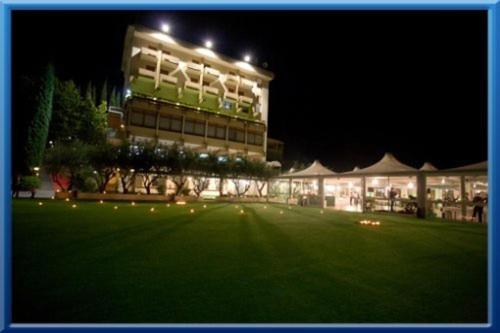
pixel 209 44
pixel 165 28
pixel 410 185
pixel 443 181
pixel 375 181
pixel 247 58
pixel 128 93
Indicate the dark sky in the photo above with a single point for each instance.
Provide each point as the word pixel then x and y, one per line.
pixel 349 85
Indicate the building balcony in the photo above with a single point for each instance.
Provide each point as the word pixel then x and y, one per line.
pixel 245 99
pixel 230 95
pixel 148 55
pixel 143 86
pixel 147 73
pixel 192 85
pixel 168 66
pixel 168 79
pixel 193 66
pixel 190 94
pixel 170 59
pixel 210 102
pixel 210 90
pixel 212 72
pixel 246 83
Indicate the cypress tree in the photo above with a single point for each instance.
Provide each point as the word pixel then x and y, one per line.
pixel 104 93
pixel 94 95
pixel 113 101
pixel 38 128
pixel 89 93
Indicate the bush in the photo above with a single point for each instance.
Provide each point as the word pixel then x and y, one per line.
pixel 89 185
pixel 29 183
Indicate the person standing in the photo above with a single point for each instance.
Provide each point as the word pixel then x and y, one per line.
pixel 392 198
pixel 478 203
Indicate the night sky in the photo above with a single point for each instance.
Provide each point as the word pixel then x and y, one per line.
pixel 349 85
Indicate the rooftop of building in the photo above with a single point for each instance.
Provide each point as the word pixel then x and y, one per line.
pixel 202 51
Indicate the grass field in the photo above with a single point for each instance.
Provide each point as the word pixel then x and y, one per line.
pixel 97 264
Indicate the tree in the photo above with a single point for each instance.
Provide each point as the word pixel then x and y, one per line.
pixel 262 174
pixel 38 128
pixel 153 163
pixel 220 167
pixel 103 158
pixel 66 112
pixel 128 163
pixel 240 173
pixel 180 162
pixel 94 122
pixel 200 172
pixel 66 161
pixel 113 99
pixel 104 93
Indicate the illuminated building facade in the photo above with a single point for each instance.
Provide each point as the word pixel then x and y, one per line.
pixel 179 93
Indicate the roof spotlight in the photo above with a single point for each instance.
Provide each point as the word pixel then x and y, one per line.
pixel 165 28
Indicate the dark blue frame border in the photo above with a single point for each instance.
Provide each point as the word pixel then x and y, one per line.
pixel 493 8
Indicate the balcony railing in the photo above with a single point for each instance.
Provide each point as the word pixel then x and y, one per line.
pixel 147 73
pixel 246 99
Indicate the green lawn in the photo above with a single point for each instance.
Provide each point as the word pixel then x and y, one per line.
pixel 96 264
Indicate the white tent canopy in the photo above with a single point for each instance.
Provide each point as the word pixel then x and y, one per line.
pixel 481 166
pixel 316 169
pixel 388 164
pixel 428 167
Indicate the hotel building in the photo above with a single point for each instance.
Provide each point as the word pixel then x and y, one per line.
pixel 190 95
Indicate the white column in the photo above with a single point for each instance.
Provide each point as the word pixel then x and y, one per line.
pixel 421 195
pixel 321 191
pixel 463 198
pixel 363 194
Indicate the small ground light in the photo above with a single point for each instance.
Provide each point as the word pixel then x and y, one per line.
pixel 281 212
pixel 115 207
pixel 191 210
pixel 40 203
pixel 242 211
pixel 368 222
pixel 289 207
pixel 52 197
pixel 73 206
pixel 265 207
pixel 67 199
pixel 321 211
pixel 204 206
pixel 101 202
pixel 132 203
pixel 168 205
pixel 152 209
